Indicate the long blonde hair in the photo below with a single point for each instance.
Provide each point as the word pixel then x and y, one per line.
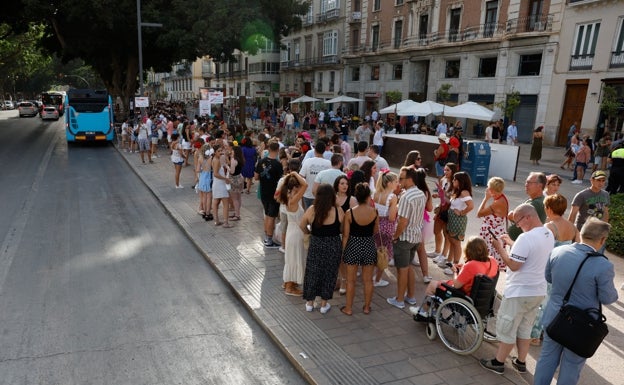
pixel 384 179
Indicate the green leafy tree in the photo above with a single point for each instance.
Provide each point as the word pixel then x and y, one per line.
pixel 510 104
pixel 103 33
pixel 393 96
pixel 610 104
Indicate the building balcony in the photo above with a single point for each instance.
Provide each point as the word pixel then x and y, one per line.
pixel 581 62
pixel 306 64
pixel 533 23
pixel 330 15
pixel 617 60
pixel 307 20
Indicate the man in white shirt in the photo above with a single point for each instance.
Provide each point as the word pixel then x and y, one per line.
pixel 375 115
pixel 310 169
pixel 329 175
pixel 361 156
pixel 525 287
pixel 381 163
pixel 442 128
pixel 512 134
pixel 488 132
pixel 363 133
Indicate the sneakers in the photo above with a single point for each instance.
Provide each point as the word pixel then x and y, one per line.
pixel 393 301
pixel 427 279
pixel 391 262
pixel 487 364
pixel 179 186
pixel 281 249
pixel 415 262
pixel 309 308
pixel 448 271
pixel 381 283
pixel 577 181
pixel 439 258
pixel 325 309
pixel 269 244
pixel 417 310
pixel 520 367
pixel 432 255
pixel 443 263
pixel 411 301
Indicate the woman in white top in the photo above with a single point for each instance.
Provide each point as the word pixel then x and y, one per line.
pixel 386 203
pixel 461 204
pixel 220 193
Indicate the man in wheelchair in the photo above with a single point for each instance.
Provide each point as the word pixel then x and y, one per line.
pixel 478 262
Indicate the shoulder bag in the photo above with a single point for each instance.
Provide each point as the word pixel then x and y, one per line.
pixel 579 330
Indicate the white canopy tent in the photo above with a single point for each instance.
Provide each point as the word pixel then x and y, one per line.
pixel 398 107
pixel 304 99
pixel 470 110
pixel 343 99
pixel 425 108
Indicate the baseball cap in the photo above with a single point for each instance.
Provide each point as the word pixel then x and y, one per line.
pixel 599 174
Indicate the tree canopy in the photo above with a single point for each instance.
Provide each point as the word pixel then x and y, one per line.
pixel 103 33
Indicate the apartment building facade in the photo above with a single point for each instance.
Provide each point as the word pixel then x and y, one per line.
pixel 590 56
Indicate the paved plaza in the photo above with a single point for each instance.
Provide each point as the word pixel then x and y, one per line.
pixel 385 347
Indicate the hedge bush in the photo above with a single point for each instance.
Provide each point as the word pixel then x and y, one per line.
pixel 615 242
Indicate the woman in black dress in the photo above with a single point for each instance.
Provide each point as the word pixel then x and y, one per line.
pixel 360 223
pixel 324 221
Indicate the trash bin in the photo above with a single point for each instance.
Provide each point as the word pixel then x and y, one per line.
pixel 476 161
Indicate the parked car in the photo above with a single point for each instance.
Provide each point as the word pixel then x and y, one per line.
pixel 8 105
pixel 27 109
pixel 49 113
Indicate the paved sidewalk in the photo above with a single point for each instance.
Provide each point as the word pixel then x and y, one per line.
pixel 383 347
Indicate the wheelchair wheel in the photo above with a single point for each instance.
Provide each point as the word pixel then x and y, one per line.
pixel 431 331
pixel 459 326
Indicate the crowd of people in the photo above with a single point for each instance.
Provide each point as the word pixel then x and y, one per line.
pixel 330 212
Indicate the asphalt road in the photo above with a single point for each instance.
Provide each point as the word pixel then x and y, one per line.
pixel 99 286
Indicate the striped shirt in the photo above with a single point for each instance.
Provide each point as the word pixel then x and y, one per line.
pixel 412 206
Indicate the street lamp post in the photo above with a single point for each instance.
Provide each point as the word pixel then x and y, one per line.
pixel 139 26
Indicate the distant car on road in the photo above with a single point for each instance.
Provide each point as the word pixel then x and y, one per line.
pixel 27 109
pixel 49 113
pixel 8 105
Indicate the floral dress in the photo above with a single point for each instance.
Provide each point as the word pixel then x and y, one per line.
pixel 497 225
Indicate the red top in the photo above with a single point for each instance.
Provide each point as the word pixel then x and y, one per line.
pixel 471 269
pixel 445 151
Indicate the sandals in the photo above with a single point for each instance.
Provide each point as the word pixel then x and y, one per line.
pixel 344 311
pixel 228 225
pixel 235 218
pixel 218 223
pixel 366 309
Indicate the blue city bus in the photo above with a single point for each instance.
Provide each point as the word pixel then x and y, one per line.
pixel 89 116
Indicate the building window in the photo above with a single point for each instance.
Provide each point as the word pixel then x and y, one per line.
pixel 355 4
pixel 374 72
pixel 332 80
pixel 535 15
pixel 530 65
pixel 398 2
pixel 397 72
pixel 375 38
pixel 617 56
pixel 319 85
pixel 487 67
pixel 491 10
pixel 584 46
pixel 454 24
pixel 355 74
pixel 330 43
pixel 452 69
pixel 328 5
pixel 398 33
pixel 423 26
pixel 376 5
pixel 355 39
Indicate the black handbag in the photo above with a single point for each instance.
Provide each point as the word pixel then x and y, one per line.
pixel 579 330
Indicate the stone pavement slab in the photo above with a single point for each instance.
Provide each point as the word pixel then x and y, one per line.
pixel 386 346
